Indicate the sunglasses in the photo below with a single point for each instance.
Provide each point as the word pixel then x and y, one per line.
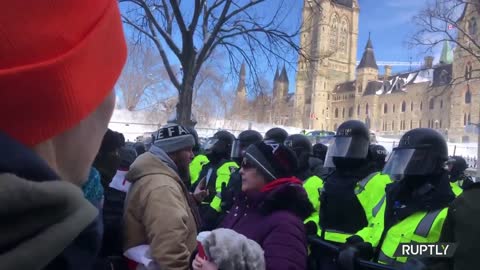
pixel 246 164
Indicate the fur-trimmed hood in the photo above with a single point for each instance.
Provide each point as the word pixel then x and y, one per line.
pixel 288 197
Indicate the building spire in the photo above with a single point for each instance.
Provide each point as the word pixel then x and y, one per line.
pixel 283 75
pixel 368 57
pixel 241 82
pixel 447 54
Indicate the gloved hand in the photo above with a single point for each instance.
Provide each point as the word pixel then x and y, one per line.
pixel 354 249
pixel 311 228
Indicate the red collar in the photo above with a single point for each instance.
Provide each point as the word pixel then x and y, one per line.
pixel 281 181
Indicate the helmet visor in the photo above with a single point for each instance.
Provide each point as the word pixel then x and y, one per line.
pixel 236 152
pixel 410 161
pixel 346 147
pixel 209 144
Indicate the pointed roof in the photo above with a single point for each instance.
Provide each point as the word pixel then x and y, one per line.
pixel 283 76
pixel 241 82
pixel 368 57
pixel 447 53
pixel 242 70
pixel 276 75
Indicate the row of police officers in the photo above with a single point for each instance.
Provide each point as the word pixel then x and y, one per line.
pixel 363 206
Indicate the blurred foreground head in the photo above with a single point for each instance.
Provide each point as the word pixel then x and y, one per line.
pixel 60 62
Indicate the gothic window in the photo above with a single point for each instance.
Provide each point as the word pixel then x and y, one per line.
pixel 465 119
pixel 343 113
pixel 468 119
pixel 421 106
pixel 468 71
pixel 366 109
pixel 468 97
pixel 385 108
pixel 358 110
pixel 393 108
pixel 393 125
pixel 343 37
pixel 367 122
pixel 350 112
pixel 411 106
pixel 336 112
pixel 431 104
pixel 441 103
pixel 404 106
pixel 472 26
pixel 334 33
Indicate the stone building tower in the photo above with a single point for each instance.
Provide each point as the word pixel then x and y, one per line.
pixel 329 39
pixel 240 106
pixel 279 95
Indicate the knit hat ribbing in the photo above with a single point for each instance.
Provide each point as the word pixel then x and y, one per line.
pixel 172 137
pixel 60 60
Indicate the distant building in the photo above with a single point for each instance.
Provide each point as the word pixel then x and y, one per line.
pixel 332 90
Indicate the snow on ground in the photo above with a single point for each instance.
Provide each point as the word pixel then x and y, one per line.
pixel 458 149
pixel 134 124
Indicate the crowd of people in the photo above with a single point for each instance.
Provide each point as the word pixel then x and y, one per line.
pixel 75 195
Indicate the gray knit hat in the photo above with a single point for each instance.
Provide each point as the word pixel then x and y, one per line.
pixel 172 137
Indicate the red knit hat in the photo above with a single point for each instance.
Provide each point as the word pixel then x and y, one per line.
pixel 59 59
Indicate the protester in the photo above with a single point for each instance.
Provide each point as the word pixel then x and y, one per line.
pixel 273 206
pixel 60 62
pixel 115 196
pixel 160 211
pixel 108 158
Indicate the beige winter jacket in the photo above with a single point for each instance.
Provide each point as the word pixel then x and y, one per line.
pixel 158 213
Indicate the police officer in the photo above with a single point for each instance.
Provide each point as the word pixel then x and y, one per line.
pixel 198 161
pixel 415 205
pixel 456 166
pixel 348 196
pixel 320 152
pixel 377 156
pixel 302 147
pixel 224 201
pixel 218 170
pixel 277 134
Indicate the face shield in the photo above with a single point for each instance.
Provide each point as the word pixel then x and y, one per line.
pixel 209 144
pixel 346 147
pixel 411 162
pixel 236 153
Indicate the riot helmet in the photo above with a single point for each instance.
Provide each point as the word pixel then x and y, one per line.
pixel 377 155
pixel 276 134
pixel 302 147
pixel 219 146
pixel 320 151
pixel 456 166
pixel 349 148
pixel 421 152
pixel 245 139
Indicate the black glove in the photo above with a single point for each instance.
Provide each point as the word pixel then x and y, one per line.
pixel 354 249
pixel 311 228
